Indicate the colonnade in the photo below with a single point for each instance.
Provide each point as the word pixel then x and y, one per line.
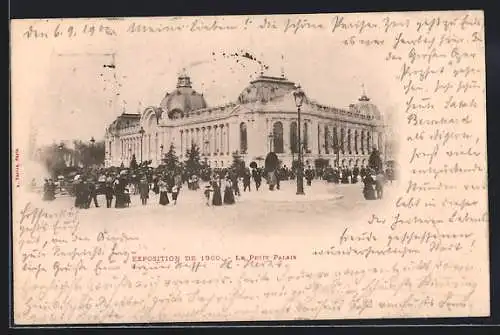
pixel 131 145
pixel 221 139
pixel 212 140
pixel 322 137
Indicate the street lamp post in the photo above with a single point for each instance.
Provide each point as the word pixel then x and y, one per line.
pixel 61 156
pixel 161 153
pixel 299 99
pixel 141 131
pixel 92 156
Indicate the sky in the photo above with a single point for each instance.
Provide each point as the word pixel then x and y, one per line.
pixel 76 95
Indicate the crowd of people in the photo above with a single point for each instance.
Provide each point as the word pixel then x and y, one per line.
pixel 222 184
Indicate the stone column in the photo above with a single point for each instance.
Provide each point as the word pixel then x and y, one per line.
pixel 209 139
pixel 183 141
pixel 228 142
pixel 286 136
pixel 216 139
pixel 223 139
pixel 198 141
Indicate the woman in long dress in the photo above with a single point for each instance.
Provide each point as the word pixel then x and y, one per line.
pixel 156 188
pixel 228 192
pixel 217 196
pixel 369 186
pixel 163 192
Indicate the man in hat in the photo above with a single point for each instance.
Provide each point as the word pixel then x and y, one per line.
pixel 257 177
pixel 246 180
pixel 144 190
pixel 92 194
pixel 108 191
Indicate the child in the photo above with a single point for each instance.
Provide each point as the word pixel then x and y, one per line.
pixel 175 193
pixel 126 195
pixel 208 190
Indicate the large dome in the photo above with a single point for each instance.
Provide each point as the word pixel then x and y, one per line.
pixel 183 100
pixel 366 107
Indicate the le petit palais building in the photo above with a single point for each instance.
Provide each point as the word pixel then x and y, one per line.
pixel 263 118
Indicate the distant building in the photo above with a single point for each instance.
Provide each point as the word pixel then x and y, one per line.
pixel 263 118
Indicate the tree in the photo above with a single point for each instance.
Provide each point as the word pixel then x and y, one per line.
pixel 53 157
pixel 375 162
pixel 133 163
pixel 87 155
pixel 238 164
pixel 171 160
pixel 193 165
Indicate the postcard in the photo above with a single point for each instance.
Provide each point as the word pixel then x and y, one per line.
pixel 242 168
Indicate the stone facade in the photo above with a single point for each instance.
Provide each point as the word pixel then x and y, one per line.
pixel 263 118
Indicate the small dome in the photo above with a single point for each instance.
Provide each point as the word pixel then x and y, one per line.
pixel 183 100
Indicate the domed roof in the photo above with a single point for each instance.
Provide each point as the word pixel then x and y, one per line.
pixel 183 100
pixel 366 107
pixel 265 88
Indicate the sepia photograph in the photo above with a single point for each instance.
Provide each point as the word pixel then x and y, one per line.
pixel 269 143
pixel 233 168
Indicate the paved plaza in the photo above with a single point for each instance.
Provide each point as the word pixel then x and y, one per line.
pixel 255 212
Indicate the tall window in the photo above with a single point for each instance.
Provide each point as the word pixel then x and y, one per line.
pixel 243 137
pixel 306 137
pixel 278 137
pixel 368 142
pixel 319 140
pixel 294 148
pixel 335 140
pixel 362 142
pixel 342 140
pixel 327 140
pixel 349 138
pixel 356 142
